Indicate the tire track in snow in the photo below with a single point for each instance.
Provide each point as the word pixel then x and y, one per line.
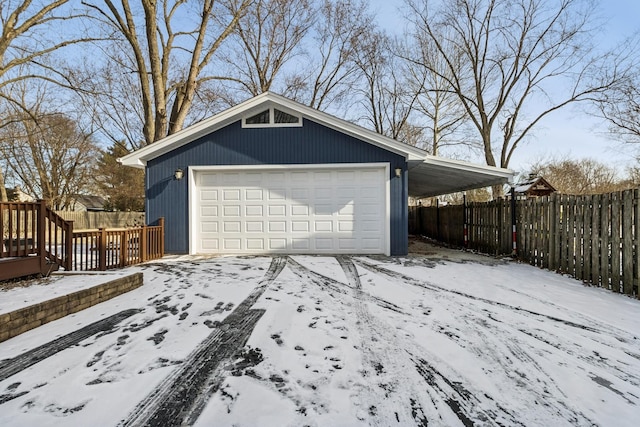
pixel 21 362
pixel 333 285
pixel 381 356
pixel 390 351
pixel 427 285
pixel 180 398
pixel 510 355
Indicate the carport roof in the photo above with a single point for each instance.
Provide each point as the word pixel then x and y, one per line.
pixel 428 175
pixel 436 175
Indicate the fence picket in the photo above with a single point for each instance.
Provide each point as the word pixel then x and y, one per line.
pixel 615 241
pixel 587 238
pixel 627 242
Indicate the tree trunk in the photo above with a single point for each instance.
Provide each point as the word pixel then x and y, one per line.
pixel 3 190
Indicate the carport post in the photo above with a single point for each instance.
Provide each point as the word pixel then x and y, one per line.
pixel 465 229
pixel 437 219
pixel 514 232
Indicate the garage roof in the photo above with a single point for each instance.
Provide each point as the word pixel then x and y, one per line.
pixel 428 175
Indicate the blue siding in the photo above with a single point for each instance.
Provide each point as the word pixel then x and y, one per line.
pixel 232 145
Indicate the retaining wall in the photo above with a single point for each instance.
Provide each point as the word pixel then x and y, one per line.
pixel 24 319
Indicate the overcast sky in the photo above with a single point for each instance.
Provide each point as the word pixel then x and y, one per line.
pixel 569 132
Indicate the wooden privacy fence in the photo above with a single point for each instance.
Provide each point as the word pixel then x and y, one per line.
pixel 94 220
pixel 593 238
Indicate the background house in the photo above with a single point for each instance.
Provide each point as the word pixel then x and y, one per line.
pixel 88 203
pixel 532 186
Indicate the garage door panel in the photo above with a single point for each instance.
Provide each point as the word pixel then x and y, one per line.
pixel 277 210
pixel 300 226
pixel 371 243
pixel 277 226
pixel 232 226
pixel 254 226
pixel 253 194
pixel 300 195
pixel 208 195
pixel 209 211
pixel 346 176
pixel 231 211
pixel 347 226
pixel 301 244
pixel 278 194
pixel 210 244
pixel 347 244
pixel 300 177
pixel 323 226
pixel 324 176
pixel 210 227
pixel 323 209
pixel 347 209
pixel 255 244
pixel 254 210
pixel 324 243
pixel 297 211
pixel 232 244
pixel 278 244
pixel 253 179
pixel 230 178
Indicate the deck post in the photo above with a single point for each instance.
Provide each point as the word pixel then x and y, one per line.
pixel 161 224
pixel 41 225
pixel 102 250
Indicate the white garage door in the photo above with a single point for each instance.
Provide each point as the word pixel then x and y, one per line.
pixel 299 210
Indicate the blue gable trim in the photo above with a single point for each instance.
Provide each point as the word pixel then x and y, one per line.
pixel 233 145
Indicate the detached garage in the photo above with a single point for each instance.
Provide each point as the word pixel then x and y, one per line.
pixel 274 176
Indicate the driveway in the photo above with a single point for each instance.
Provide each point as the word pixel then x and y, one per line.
pixel 441 339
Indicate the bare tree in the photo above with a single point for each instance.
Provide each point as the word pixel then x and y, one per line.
pixel 48 152
pixel 437 102
pixel 620 106
pixel 583 176
pixel 169 63
pixel 338 34
pixel 23 44
pixel 266 38
pixel 521 61
pixel 387 98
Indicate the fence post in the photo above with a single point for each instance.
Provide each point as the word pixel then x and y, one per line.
pixel 102 250
pixel 514 231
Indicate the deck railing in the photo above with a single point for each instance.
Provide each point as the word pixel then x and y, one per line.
pixel 36 240
pixel 105 249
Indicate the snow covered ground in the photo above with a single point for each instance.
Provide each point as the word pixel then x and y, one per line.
pixel 333 341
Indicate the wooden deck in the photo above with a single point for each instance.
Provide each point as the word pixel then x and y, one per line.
pixel 35 240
